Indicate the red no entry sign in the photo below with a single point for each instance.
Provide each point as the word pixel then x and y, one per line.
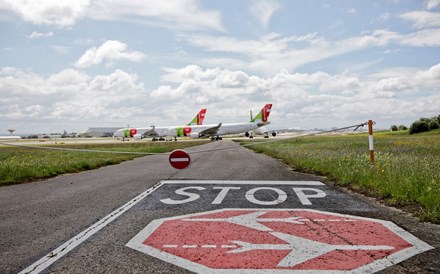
pixel 179 159
pixel 276 240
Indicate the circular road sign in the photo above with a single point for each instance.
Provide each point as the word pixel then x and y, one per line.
pixel 276 240
pixel 179 159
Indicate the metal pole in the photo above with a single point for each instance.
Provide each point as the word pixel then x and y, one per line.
pixel 370 141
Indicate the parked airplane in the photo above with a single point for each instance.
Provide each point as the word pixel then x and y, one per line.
pixel 158 133
pixel 264 130
pixel 216 131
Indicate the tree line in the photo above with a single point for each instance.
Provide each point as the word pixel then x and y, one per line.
pixel 421 125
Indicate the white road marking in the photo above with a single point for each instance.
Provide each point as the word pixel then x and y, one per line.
pixel 216 182
pixel 68 246
pixel 189 246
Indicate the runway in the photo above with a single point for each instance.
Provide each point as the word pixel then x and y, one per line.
pixel 39 217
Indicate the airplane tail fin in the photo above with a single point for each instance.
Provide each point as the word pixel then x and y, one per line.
pixel 263 115
pixel 198 120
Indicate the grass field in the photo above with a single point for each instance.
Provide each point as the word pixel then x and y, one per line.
pixel 20 164
pixel 407 166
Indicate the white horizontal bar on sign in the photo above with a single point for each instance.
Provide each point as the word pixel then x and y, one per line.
pixel 217 182
pixel 179 160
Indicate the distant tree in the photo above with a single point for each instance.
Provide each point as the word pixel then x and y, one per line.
pixel 434 124
pixel 403 127
pixel 420 126
pixel 394 128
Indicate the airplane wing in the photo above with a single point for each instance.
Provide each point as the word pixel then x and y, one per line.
pixel 210 131
pixel 151 132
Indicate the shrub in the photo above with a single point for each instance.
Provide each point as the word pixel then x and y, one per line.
pixel 394 128
pixel 420 126
pixel 434 124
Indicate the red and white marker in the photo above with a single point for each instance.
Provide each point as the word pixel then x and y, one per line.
pixel 179 159
pixel 276 240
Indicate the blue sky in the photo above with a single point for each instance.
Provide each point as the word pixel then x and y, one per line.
pixel 74 64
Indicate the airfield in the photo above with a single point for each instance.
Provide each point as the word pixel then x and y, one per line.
pixel 233 210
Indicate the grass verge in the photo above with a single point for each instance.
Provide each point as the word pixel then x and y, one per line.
pixel 407 166
pixel 21 164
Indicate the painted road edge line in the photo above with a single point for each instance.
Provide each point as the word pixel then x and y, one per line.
pixel 75 241
pixel 218 182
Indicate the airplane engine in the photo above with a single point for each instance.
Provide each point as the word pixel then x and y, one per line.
pixel 274 133
pixel 194 135
pixel 137 137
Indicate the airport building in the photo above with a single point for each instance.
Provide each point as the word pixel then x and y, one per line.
pixel 99 132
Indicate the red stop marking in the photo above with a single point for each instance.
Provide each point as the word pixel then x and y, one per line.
pixel 179 159
pixel 276 240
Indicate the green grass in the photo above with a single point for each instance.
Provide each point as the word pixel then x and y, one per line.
pixel 407 166
pixel 19 164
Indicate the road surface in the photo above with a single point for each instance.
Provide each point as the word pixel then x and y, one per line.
pixel 72 212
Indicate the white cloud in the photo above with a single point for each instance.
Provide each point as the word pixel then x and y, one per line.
pixel 431 4
pixel 382 18
pixel 186 14
pixel 422 19
pixel 36 34
pixel 111 51
pixel 59 13
pixel 262 10
pixel 318 99
pixel 274 52
pixel 302 98
pixel 70 97
pixel 351 11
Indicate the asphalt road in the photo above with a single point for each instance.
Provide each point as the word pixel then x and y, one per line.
pixel 36 218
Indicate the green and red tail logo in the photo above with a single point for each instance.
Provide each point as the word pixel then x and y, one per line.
pixel 198 120
pixel 263 115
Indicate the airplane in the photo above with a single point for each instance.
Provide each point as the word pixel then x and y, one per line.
pixel 264 130
pixel 214 131
pixel 217 130
pixel 158 133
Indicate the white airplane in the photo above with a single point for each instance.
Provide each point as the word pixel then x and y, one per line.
pixel 214 131
pixel 264 130
pixel 217 130
pixel 158 133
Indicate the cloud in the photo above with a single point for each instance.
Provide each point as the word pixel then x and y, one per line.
pixel 186 14
pixel 70 97
pixel 351 11
pixel 46 12
pixel 111 51
pixel 431 4
pixel 422 19
pixel 318 99
pixel 262 11
pixel 274 52
pixel 39 35
pixel 302 99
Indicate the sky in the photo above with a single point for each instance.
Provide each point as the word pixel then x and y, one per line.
pixel 74 64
